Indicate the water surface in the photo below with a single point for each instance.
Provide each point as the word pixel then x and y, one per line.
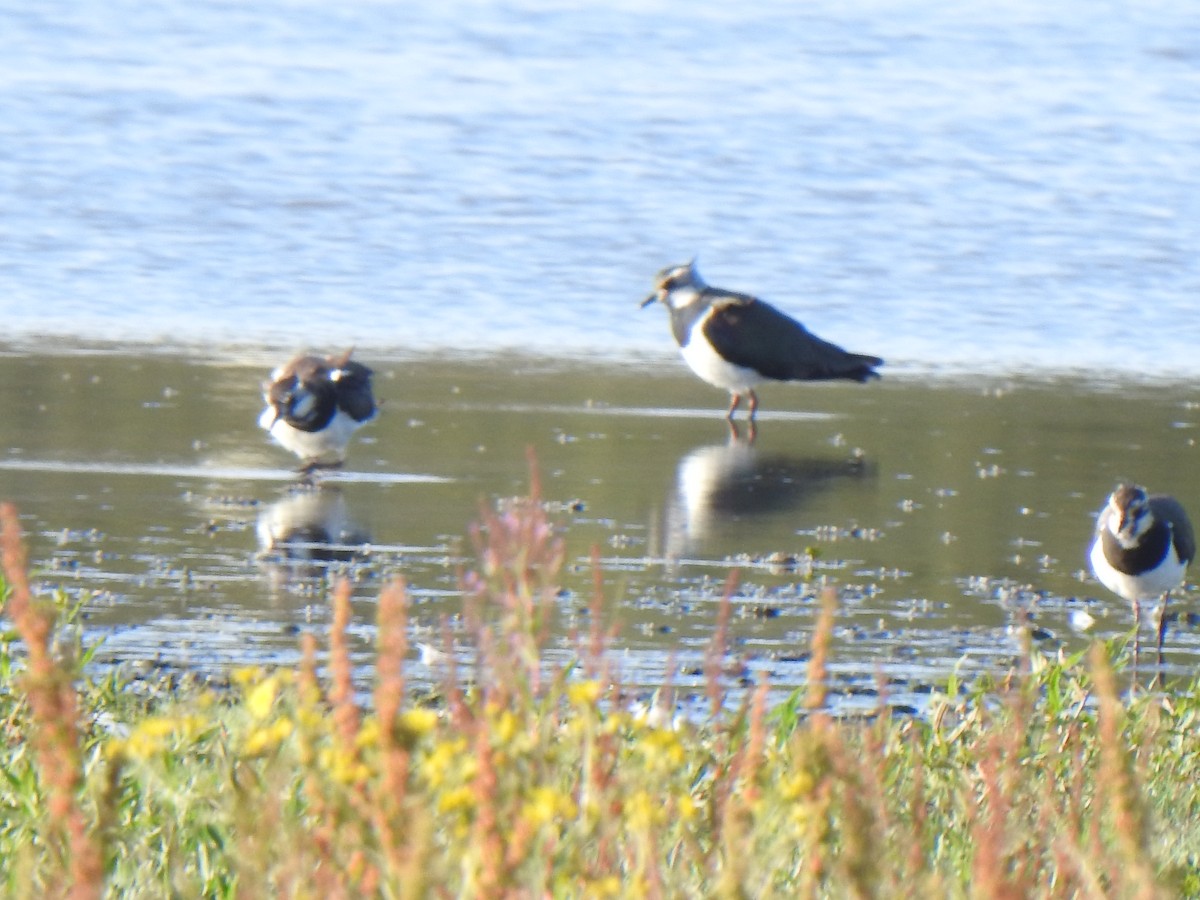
pixel 995 187
pixel 944 512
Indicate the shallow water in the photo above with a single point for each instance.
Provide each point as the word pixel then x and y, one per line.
pixel 1001 191
pixel 997 187
pixel 943 511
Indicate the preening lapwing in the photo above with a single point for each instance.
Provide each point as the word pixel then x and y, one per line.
pixel 736 341
pixel 314 405
pixel 1142 548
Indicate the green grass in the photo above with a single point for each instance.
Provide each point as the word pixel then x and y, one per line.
pixel 538 781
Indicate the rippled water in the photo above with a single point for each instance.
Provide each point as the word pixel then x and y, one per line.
pixel 1004 186
pixel 948 516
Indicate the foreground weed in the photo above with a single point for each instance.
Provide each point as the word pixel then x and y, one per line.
pixel 531 778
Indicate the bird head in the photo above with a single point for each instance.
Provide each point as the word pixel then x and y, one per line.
pixel 300 393
pixel 1129 513
pixel 676 286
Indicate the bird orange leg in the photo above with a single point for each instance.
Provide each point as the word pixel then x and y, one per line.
pixel 1162 633
pixel 733 405
pixel 753 404
pixel 1137 630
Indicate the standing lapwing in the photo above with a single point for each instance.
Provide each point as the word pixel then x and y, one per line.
pixel 1143 545
pixel 314 405
pixel 736 341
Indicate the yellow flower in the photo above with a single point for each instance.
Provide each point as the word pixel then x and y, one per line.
pixel 617 723
pixel 801 815
pixel 686 807
pixel 799 784
pixel 261 740
pixel 505 728
pixel 156 727
pixel 584 693
pixel 662 746
pixel 368 734
pixel 246 675
pixel 546 804
pixel 446 761
pixel 643 811
pixel 343 767
pixel 311 720
pixel 151 736
pixel 601 888
pixel 418 722
pixel 261 697
pixel 458 800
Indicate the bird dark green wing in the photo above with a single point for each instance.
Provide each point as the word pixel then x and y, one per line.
pixel 306 405
pixel 354 395
pixel 750 333
pixel 1167 509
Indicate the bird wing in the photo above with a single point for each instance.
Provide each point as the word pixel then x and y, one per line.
pixel 1166 508
pixel 306 406
pixel 354 395
pixel 751 333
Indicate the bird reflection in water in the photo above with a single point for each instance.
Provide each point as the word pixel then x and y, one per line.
pixel 719 483
pixel 306 533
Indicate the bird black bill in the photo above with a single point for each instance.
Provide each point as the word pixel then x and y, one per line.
pixel 648 300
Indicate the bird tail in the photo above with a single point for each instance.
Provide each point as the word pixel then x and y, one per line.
pixel 859 367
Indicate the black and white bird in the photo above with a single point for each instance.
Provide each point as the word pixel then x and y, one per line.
pixel 314 405
pixel 736 341
pixel 1142 548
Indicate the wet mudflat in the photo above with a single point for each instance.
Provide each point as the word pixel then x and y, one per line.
pixel 947 512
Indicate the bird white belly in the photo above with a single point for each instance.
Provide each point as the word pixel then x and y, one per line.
pixel 327 445
pixel 705 362
pixel 1148 585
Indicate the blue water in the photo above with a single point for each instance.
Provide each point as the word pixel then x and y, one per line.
pixel 994 186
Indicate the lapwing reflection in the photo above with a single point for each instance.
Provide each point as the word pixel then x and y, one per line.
pixel 307 532
pixel 722 483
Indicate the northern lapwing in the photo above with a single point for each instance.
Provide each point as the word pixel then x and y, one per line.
pixel 1142 548
pixel 314 405
pixel 736 341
